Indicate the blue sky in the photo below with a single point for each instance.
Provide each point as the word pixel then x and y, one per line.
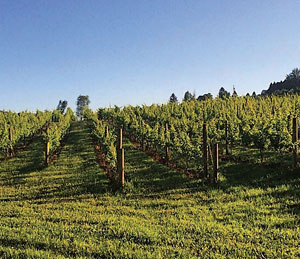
pixel 139 52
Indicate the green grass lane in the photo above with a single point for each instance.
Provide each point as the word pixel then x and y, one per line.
pixel 69 211
pixel 42 210
pixel 254 212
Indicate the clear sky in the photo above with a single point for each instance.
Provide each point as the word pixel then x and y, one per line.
pixel 140 51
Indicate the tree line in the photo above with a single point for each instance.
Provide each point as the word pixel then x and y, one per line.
pixel 223 93
pixel 290 85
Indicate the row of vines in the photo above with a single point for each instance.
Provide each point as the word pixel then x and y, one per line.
pixel 55 130
pixel 17 129
pixel 261 123
pixel 109 141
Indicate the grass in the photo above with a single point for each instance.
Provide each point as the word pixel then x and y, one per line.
pixel 68 210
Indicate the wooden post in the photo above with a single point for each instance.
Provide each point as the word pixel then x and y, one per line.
pixel 47 151
pixel 118 147
pixel 10 136
pixel 120 139
pixel 295 140
pixel 226 138
pixel 47 148
pixel 106 132
pixel 216 162
pixel 205 150
pixel 120 158
pixel 122 165
pixel 210 159
pixel 10 133
pixel 142 144
pixel 167 155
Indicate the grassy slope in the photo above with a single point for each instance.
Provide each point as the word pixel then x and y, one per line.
pixel 68 209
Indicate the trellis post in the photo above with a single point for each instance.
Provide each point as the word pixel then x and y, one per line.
pixel 215 162
pixel 295 140
pixel 205 150
pixel 167 154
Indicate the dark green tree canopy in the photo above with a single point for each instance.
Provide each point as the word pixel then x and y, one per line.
pixel 290 85
pixel 188 96
pixel 223 93
pixel 205 97
pixel 62 105
pixel 173 98
pixel 294 75
pixel 83 102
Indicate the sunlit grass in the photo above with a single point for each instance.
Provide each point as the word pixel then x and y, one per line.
pixel 69 210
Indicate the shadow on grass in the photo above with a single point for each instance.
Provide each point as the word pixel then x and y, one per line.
pixel 15 171
pixel 62 250
pixel 76 174
pixel 260 175
pixel 73 174
pixel 150 177
pixel 279 178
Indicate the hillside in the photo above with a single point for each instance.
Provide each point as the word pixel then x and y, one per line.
pixel 68 210
pixel 291 85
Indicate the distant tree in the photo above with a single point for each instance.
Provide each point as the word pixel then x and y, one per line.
pixel 59 105
pixel 208 96
pixel 173 98
pixel 247 94
pixel 223 93
pixel 294 75
pixel 254 94
pixel 290 85
pixel 62 105
pixel 83 102
pixel 264 92
pixel 188 96
pixel 204 97
pixel 201 98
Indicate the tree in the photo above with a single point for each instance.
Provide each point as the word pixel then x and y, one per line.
pixel 173 98
pixel 62 105
pixel 83 102
pixel 188 96
pixel 204 97
pixel 294 75
pixel 223 93
pixel 254 94
pixel 291 84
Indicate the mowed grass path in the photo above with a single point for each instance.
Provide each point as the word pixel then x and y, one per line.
pixel 68 210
